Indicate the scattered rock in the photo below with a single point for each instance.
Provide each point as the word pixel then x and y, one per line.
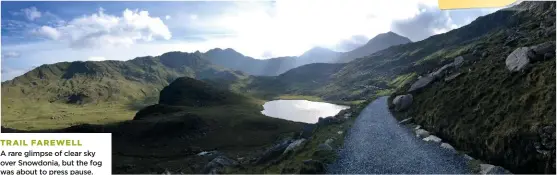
pixel 274 151
pixel 518 59
pixel 538 52
pixel 294 146
pixel 418 127
pixel 340 132
pixel 421 133
pixel 312 167
pixel 492 169
pixel 441 72
pixel 329 141
pixel 467 157
pixel 421 83
pixel 217 165
pixel 405 121
pixel 347 115
pixel 402 102
pixel 458 61
pixel 432 138
pixel 448 146
pixel 324 147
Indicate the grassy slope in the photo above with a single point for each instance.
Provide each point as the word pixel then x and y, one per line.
pixel 491 113
pixel 111 90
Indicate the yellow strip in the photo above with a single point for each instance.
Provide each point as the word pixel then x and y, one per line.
pixel 460 4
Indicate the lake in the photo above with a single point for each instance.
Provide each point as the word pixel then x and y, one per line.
pixel 300 110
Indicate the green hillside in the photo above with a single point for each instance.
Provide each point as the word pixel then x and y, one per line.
pixel 68 93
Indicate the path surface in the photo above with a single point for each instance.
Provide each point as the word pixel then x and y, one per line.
pixel 377 144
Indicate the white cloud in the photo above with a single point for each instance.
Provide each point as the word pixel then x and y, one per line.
pixel 193 17
pixel 10 54
pixel 103 30
pixel 31 13
pixel 48 32
pixel 167 17
pixel 96 58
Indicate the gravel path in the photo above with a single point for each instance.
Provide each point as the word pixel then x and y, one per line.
pixel 377 144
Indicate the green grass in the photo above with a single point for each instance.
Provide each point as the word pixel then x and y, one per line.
pixel 402 80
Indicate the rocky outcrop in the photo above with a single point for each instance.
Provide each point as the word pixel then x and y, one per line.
pixel 522 57
pixel 217 165
pixel 421 133
pixel 421 83
pixel 448 147
pixel 294 146
pixel 518 59
pixel 458 61
pixel 274 152
pixel 307 131
pixel 406 121
pixel 402 102
pixel 492 169
pixel 432 138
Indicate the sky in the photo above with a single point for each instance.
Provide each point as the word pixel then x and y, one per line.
pixel 36 33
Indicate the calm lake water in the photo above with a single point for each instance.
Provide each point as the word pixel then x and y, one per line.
pixel 300 110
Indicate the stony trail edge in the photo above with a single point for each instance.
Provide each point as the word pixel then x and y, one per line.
pixel 377 143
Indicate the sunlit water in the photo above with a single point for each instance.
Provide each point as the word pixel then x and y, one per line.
pixel 300 110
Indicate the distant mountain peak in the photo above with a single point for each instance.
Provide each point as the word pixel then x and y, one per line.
pixel 377 43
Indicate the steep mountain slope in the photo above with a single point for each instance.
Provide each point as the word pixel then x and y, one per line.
pixel 502 117
pixel 377 43
pixel 64 90
pixel 229 58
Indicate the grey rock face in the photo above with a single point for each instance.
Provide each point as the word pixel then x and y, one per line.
pixel 492 169
pixel 405 121
pixel 274 151
pixel 518 59
pixel 458 61
pixel 294 145
pixel 402 102
pixel 217 165
pixel 448 146
pixel 432 138
pixel 421 83
pixel 422 133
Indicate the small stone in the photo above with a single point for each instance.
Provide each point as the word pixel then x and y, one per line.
pixel 405 121
pixel 432 138
pixel 417 127
pixel 422 133
pixel 340 132
pixel 329 141
pixel 448 146
pixel 324 147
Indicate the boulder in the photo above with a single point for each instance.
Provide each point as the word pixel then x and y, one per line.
pixel 294 145
pixel 538 52
pixel 518 59
pixel 421 83
pixel 432 138
pixel 448 146
pixel 217 165
pixel 329 141
pixel 492 169
pixel 312 167
pixel 467 157
pixel 324 147
pixel 340 132
pixel 441 72
pixel 421 133
pixel 274 151
pixel 458 61
pixel 402 102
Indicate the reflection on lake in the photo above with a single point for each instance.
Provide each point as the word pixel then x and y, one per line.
pixel 300 110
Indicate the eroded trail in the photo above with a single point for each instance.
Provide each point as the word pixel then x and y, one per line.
pixel 376 143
